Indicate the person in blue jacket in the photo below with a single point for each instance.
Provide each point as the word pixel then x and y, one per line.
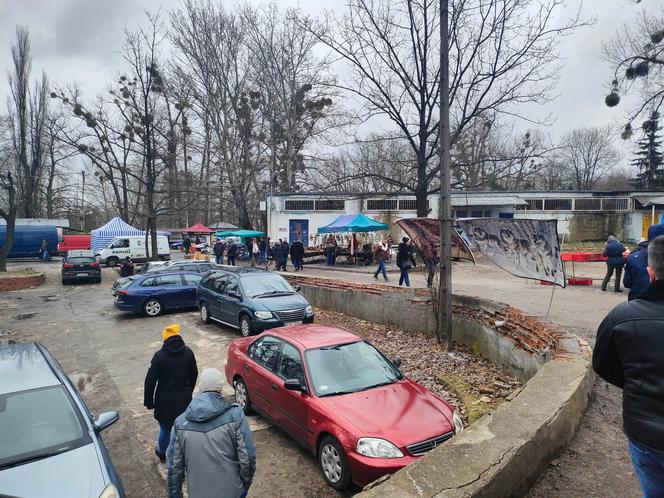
pixel 636 277
pixel 616 261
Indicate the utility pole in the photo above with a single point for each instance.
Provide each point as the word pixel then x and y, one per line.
pixel 83 202
pixel 444 207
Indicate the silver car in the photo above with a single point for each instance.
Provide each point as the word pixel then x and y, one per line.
pixel 49 442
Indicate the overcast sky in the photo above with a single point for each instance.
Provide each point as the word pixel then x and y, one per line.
pixel 79 39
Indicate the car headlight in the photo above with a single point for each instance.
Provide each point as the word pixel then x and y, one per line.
pixel 309 310
pixel 263 315
pixel 458 423
pixel 110 491
pixel 377 448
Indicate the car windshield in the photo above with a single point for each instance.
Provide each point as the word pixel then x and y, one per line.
pixel 349 368
pixel 265 284
pixel 38 423
pixel 81 260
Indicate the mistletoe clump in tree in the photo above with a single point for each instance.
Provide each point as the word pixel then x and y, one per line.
pixel 649 157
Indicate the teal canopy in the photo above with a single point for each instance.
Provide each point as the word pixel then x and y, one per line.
pixel 353 223
pixel 240 233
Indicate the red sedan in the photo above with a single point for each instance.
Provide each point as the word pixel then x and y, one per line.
pixel 341 399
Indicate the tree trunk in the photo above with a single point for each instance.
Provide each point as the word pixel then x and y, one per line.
pixel 10 217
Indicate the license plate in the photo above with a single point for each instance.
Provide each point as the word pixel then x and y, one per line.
pixel 81 274
pixel 292 324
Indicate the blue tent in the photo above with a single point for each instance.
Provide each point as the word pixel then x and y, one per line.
pixel 353 223
pixel 240 233
pixel 117 227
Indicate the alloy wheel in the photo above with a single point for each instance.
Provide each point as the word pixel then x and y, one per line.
pixel 245 327
pixel 240 394
pixel 331 463
pixel 152 308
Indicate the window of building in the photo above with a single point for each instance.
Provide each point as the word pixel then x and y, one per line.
pixel 615 204
pixel 381 204
pixel 532 205
pixel 461 213
pixel 589 204
pixel 299 205
pixel 476 213
pixel 331 205
pixel 557 204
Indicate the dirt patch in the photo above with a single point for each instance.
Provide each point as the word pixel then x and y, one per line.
pixel 83 382
pixel 24 272
pixel 473 385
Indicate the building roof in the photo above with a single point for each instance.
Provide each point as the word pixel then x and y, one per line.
pixel 486 200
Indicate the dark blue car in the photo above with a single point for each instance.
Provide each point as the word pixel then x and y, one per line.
pixel 50 444
pixel 251 300
pixel 153 293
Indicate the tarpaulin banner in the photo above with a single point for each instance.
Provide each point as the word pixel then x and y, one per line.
pixel 425 234
pixel 524 248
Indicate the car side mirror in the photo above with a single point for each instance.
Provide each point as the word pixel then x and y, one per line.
pixel 105 420
pixel 294 385
pixel 396 362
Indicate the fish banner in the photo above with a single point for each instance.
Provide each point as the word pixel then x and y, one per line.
pixel 425 234
pixel 524 248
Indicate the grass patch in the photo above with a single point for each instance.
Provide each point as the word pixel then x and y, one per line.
pixel 23 272
pixel 476 405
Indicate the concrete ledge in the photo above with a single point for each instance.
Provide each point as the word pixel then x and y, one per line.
pixel 18 282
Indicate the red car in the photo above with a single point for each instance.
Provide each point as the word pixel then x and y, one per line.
pixel 341 399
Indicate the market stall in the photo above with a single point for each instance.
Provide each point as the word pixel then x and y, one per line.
pixel 353 224
pixel 117 227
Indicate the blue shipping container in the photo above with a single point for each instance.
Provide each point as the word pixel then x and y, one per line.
pixel 28 240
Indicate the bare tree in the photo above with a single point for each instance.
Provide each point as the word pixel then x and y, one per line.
pixel 502 54
pixel 590 154
pixel 8 214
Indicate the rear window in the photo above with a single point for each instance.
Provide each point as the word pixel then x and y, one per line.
pixel 81 260
pixel 126 283
pixel 37 423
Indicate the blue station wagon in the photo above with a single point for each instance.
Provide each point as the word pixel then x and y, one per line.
pixel 251 300
pixel 155 292
pixel 50 445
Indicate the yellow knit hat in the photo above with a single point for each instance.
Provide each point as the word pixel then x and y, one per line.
pixel 172 330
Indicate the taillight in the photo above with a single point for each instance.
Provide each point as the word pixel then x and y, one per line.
pixel 68 265
pixel 123 292
pixel 94 265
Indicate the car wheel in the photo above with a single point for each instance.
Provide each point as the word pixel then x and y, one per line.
pixel 152 307
pixel 245 326
pixel 242 395
pixel 205 313
pixel 333 462
pixel 98 280
pixel 64 282
pixel 162 258
pixel 112 261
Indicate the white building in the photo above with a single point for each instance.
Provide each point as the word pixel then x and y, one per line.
pixel 581 215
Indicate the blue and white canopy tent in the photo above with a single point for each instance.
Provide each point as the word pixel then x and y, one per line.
pixel 117 227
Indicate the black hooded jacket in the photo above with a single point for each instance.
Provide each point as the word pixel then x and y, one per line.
pixel 629 353
pixel 170 380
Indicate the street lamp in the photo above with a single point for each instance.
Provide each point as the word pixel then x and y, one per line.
pixel 444 318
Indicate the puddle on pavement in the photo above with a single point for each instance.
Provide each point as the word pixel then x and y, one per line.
pixel 82 381
pixel 24 316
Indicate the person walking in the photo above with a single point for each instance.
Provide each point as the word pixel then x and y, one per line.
pixel 127 267
pixel 405 260
pixel 297 254
pixel 270 256
pixel 186 243
pixel 432 263
pixel 616 261
pixel 262 248
pixel 380 253
pixel 628 353
pixel 282 261
pixel 254 251
pixel 212 445
pixel 169 384
pixel 331 249
pixel 231 252
pixel 636 277
pixel 218 250
pixel 43 251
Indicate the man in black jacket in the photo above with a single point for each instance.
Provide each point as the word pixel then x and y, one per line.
pixel 297 254
pixel 629 353
pixel 169 384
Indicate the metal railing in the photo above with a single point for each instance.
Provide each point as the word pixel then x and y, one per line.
pixel 586 204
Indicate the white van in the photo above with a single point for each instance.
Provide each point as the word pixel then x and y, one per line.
pixel 134 247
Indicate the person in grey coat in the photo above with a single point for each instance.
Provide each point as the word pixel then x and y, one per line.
pixel 211 443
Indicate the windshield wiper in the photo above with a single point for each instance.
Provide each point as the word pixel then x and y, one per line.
pixel 387 382
pixel 19 461
pixel 274 293
pixel 336 393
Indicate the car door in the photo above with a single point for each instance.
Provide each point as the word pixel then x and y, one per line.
pixel 191 281
pixel 215 293
pixel 291 408
pixel 259 372
pixel 231 301
pixel 172 291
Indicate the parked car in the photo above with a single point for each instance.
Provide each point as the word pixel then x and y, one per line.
pixel 28 240
pixel 120 282
pixel 176 245
pixel 80 266
pixel 50 445
pixel 251 299
pixel 340 398
pixel 186 265
pixel 154 265
pixel 153 293
pixel 74 242
pixel 134 247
